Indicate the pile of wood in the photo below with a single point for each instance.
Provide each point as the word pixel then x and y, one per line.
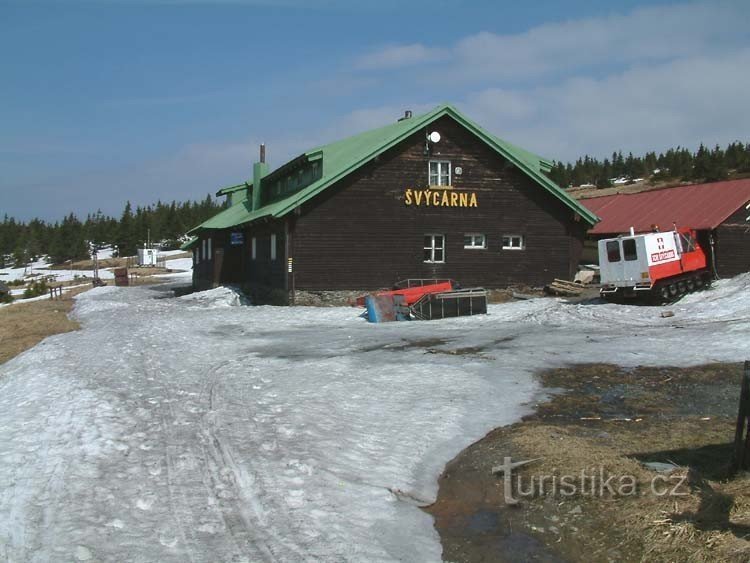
pixel 564 287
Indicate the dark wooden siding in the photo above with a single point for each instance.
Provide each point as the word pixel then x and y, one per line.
pixel 733 244
pixel 360 234
pixel 227 265
pixel 263 271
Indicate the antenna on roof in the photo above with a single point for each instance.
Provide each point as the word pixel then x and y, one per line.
pixel 407 115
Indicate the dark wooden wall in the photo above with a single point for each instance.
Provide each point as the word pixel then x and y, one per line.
pixel 227 265
pixel 733 244
pixel 263 271
pixel 360 234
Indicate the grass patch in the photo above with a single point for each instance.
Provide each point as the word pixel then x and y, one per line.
pixel 610 420
pixel 24 325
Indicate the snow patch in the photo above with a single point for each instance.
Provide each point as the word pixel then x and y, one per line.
pixel 223 296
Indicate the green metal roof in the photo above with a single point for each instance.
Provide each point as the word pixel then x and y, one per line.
pixel 344 157
pixel 232 189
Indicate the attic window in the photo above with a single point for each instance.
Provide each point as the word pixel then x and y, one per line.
pixel 440 172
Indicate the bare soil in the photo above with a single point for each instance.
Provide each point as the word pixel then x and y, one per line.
pixel 607 421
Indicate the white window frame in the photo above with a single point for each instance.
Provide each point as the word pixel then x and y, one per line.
pixel 203 250
pixel 197 255
pixel 441 173
pixel 512 239
pixel 473 245
pixel 254 248
pixel 209 248
pixel 273 247
pixel 433 247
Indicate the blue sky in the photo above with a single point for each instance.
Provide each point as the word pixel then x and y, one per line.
pixel 107 100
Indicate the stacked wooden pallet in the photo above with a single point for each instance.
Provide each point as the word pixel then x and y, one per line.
pixel 565 287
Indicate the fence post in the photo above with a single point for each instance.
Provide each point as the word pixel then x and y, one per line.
pixel 741 457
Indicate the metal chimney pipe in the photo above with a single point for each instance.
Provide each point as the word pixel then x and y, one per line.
pixel 262 152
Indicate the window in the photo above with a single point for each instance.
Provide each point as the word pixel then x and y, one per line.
pixel 628 250
pixel 688 242
pixel 273 247
pixel 613 251
pixel 440 172
pixel 474 241
pixel 434 248
pixel 254 248
pixel 513 242
pixel 197 255
pixel 209 249
pixel 203 250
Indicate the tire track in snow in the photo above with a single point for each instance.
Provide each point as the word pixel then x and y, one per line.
pixel 246 518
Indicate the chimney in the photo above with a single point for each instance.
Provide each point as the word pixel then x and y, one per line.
pixel 407 115
pixel 260 169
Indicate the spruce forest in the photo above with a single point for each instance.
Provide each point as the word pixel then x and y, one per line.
pixel 71 238
pixel 678 165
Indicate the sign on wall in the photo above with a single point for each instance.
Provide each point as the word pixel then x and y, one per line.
pixel 439 198
pixel 236 239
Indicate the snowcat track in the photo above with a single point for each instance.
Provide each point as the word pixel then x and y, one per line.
pixel 664 291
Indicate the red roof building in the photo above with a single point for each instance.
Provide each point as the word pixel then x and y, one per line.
pixel 717 210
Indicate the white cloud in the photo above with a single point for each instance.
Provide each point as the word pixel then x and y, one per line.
pixel 646 80
pixel 397 56
pixel 646 34
pixel 683 102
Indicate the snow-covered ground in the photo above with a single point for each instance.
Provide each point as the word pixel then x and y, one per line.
pixel 197 429
pixel 184 264
pixel 41 269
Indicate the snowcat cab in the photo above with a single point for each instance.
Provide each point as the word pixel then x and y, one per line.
pixel 659 265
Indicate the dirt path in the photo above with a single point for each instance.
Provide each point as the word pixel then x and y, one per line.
pixel 612 420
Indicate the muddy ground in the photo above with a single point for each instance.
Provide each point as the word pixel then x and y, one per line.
pixel 606 421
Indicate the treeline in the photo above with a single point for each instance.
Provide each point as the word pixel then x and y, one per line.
pixel 703 165
pixel 73 239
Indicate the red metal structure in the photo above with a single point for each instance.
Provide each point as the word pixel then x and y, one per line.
pixel 413 290
pixel 701 206
pixel 661 265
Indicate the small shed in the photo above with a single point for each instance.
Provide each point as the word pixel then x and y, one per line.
pixel 716 210
pixel 147 257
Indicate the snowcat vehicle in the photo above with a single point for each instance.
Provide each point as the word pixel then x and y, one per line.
pixel 656 267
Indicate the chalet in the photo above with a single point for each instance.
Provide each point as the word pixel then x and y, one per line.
pixel 429 196
pixel 718 211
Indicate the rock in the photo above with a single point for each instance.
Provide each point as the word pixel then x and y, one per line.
pixel 660 467
pixel 576 510
pixel 665 314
